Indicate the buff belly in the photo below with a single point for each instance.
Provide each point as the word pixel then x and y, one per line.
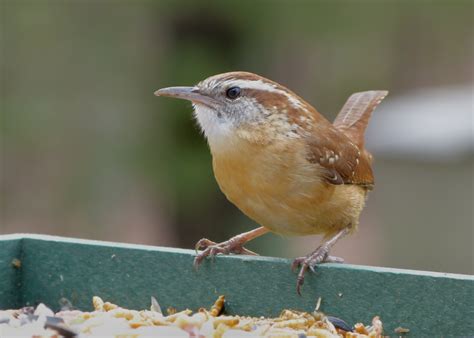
pixel 285 193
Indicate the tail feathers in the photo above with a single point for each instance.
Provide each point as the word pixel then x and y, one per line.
pixel 354 116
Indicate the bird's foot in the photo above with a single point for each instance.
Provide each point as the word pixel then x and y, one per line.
pixel 318 256
pixel 211 249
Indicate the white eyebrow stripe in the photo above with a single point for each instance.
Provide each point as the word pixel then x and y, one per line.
pixel 252 84
pixel 265 86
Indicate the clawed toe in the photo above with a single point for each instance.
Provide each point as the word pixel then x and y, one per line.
pixel 297 262
pixel 211 249
pixel 303 263
pixel 333 259
pixel 320 255
pixel 203 244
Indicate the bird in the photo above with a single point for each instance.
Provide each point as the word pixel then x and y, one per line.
pixel 282 163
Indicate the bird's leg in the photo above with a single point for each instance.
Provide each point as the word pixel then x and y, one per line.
pixel 233 245
pixel 320 255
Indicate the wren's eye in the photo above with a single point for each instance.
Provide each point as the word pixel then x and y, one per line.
pixel 233 93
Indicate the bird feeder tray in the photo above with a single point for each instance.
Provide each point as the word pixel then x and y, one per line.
pixel 45 269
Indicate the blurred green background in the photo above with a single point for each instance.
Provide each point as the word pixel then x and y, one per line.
pixel 88 151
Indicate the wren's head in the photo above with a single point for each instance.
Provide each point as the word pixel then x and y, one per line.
pixel 244 105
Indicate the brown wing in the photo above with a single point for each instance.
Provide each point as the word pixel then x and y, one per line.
pixel 342 161
pixel 354 116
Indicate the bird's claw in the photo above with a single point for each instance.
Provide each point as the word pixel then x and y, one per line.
pixel 211 249
pixel 202 244
pixel 318 256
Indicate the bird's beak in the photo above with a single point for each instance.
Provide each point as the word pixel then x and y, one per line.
pixel 187 93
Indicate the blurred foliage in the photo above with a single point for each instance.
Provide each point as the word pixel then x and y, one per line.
pixel 88 151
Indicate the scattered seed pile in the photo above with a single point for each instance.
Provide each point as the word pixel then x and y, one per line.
pixel 111 320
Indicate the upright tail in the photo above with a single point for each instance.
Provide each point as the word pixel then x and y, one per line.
pixel 354 116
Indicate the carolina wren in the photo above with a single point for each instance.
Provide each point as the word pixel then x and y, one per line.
pixel 281 162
